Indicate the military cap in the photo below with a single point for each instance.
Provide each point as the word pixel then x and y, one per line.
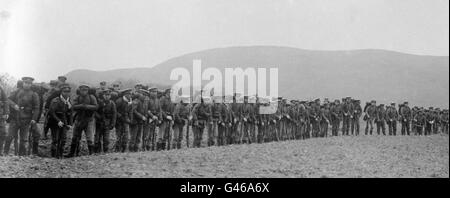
pixel 431 108
pixel 317 100
pixel 406 102
pixel 106 92
pixel 167 90
pixel 392 103
pixel 125 91
pixel 64 86
pixel 53 83
pixel 62 78
pixel 382 105
pixel 83 86
pixel 27 79
pixel 373 101
pixel 103 83
pixel 152 89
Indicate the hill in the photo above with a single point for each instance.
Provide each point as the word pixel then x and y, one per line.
pixel 305 74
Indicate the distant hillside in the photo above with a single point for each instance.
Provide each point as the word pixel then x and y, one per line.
pixel 305 74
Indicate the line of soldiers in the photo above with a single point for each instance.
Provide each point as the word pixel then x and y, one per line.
pixel 147 119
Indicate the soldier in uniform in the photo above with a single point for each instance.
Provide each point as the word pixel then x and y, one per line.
pixel 223 123
pixel 4 114
pixel 391 118
pixel 167 108
pixel 429 121
pixel 381 119
pixel 84 105
pixel 137 120
pixel 106 116
pixel 325 120
pixel 201 113
pixel 445 121
pixel 370 115
pixel 357 112
pixel 315 117
pixel 59 120
pixel 236 117
pixel 418 122
pixel 154 119
pixel 347 113
pixel 405 115
pixel 124 116
pixel 181 116
pixel 48 97
pixel 216 118
pixel 28 111
pixel 247 117
pixel 336 113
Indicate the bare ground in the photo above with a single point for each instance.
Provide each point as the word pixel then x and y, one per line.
pixel 362 156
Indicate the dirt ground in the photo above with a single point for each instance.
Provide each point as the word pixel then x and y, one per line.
pixel 361 156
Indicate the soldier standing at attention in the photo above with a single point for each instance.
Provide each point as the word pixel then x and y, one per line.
pixel 137 121
pixel 84 106
pixel 357 112
pixel 335 117
pixel 124 116
pixel 346 115
pixel 429 121
pixel 48 97
pixel 4 114
pixel 59 120
pixel 154 119
pixel 325 121
pixel 371 113
pixel 247 117
pixel 105 121
pixel 167 108
pixel 28 111
pixel 236 116
pixel 200 116
pixel 392 117
pixel 405 115
pixel 418 122
pixel 216 118
pixel 381 119
pixel 181 116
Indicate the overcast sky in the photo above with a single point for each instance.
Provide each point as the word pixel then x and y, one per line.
pixel 46 38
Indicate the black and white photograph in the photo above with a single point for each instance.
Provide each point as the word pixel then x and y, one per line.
pixel 224 89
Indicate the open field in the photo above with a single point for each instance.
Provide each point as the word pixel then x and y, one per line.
pixel 362 156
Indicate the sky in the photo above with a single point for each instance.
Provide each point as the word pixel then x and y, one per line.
pixel 47 38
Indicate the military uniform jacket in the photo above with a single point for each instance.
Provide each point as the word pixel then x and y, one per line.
pixel 181 113
pixel 371 111
pixel 4 106
pixel 85 107
pixel 391 114
pixel 248 112
pixel 106 114
pixel 124 110
pixel 154 108
pixel 335 112
pixel 419 119
pixel 201 112
pixel 59 111
pixel 139 112
pixel 167 107
pixel 381 114
pixel 357 111
pixel 405 113
pixel 28 102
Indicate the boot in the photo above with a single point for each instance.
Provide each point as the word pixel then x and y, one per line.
pixel 72 151
pixel 91 149
pixel 7 146
pixel 35 149
pixel 2 141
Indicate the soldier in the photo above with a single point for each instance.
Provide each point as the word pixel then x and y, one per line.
pixel 106 116
pixel 28 111
pixel 392 117
pixel 167 108
pixel 4 114
pixel 437 119
pixel 181 116
pixel 201 114
pixel 137 120
pixel 124 116
pixel 445 121
pixel 357 112
pixel 13 118
pixel 429 121
pixel 48 97
pixel 381 119
pixel 216 118
pixel 154 119
pixel 315 117
pixel 325 120
pixel 336 113
pixel 84 106
pixel 247 118
pixel 223 123
pixel 347 113
pixel 236 118
pixel 59 120
pixel 405 116
pixel 370 115
pixel 418 122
